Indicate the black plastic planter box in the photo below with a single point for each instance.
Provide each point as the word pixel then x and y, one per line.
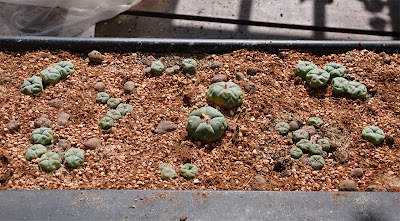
pixel 194 205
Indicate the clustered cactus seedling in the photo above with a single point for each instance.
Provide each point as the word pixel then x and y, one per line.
pixel 32 85
pixel 300 134
pixel 296 152
pixel 106 123
pixel 282 127
pixel 157 68
pixel 303 67
pixel 316 121
pixel 74 157
pixel 189 170
pixel 335 70
pixel 225 94
pixel 42 136
pixel 124 108
pixel 315 149
pixel 304 145
pixel 167 172
pixel 102 97
pixel 114 114
pixel 324 143
pixel 339 85
pixel 113 103
pixel 316 162
pixel 317 77
pixel 352 88
pixel 50 161
pixel 373 134
pixel 189 66
pixel 35 151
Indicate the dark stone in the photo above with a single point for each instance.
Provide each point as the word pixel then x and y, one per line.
pixel 250 87
pixel 219 78
pixel 13 126
pixel 253 71
pixel 240 76
pixel 129 87
pixel 55 103
pixel 63 144
pixel 216 64
pixel 347 185
pixel 92 143
pixel 95 57
pixel 62 118
pixel 293 125
pixel 376 188
pixel 42 121
pixel 164 127
pixel 357 172
pixel 99 86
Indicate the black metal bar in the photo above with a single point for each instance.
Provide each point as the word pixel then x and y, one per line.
pixel 259 23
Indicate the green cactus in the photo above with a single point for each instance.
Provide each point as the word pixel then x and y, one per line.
pixel 50 161
pixel 335 70
pixel 114 114
pixel 168 173
pixel 316 162
pixel 339 85
pixel 304 145
pixel 124 108
pixel 164 165
pixel 102 97
pixel 65 68
pixel 282 127
pixel 189 170
pixel 315 149
pixel 74 157
pixel 189 65
pixel 35 151
pixel 206 123
pixel 356 89
pixel 50 75
pixel 225 94
pixel 106 123
pixel 32 85
pixel 317 77
pixel 113 103
pixel 296 152
pixel 300 134
pixel 303 67
pixel 373 134
pixel 324 144
pixel 157 68
pixel 316 121
pixel 42 136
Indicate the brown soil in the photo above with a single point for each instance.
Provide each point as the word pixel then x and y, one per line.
pixel 131 152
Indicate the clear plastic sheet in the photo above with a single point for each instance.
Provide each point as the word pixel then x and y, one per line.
pixel 66 18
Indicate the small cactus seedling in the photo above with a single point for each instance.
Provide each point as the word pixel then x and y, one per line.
pixel 339 85
pixel 225 94
pixel 42 136
pixel 114 114
pixel 324 144
pixel 189 65
pixel 106 123
pixel 317 77
pixel 189 170
pixel 50 161
pixel 102 97
pixel 335 70
pixel 315 149
pixel 300 134
pixel 124 108
pixel 164 165
pixel 303 67
pixel 356 89
pixel 113 103
pixel 373 134
pixel 206 123
pixel 65 68
pixel 296 152
pixel 35 151
pixel 304 145
pixel 32 85
pixel 50 75
pixel 168 173
pixel 316 162
pixel 157 68
pixel 282 127
pixel 74 157
pixel 316 121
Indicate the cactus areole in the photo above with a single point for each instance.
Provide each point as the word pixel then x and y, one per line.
pixel 206 124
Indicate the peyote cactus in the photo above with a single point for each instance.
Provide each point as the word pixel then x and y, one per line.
pixel 303 67
pixel 114 114
pixel 106 123
pixel 324 144
pixel 300 134
pixel 102 97
pixel 157 68
pixel 356 89
pixel 335 70
pixel 316 121
pixel 50 161
pixel 282 127
pixel 65 68
pixel 206 124
pixel 296 152
pixel 32 85
pixel 304 145
pixel 124 108
pixel 315 149
pixel 225 94
pixel 35 151
pixel 50 75
pixel 164 165
pixel 189 170
pixel 168 173
pixel 113 103
pixel 189 65
pixel 317 77
pixel 74 157
pixel 373 134
pixel 316 162
pixel 339 85
pixel 42 136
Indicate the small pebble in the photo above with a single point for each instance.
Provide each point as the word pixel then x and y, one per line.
pixel 176 68
pixel 250 87
pixel 13 126
pixel 196 181
pixel 260 180
pixel 63 144
pixel 95 57
pixel 310 129
pixel 240 76
pixel 55 103
pixel 129 87
pixel 63 118
pixel 92 143
pixel 253 71
pixel 169 70
pixel 293 125
pixel 376 188
pixel 357 172
pixel 164 127
pixel 147 70
pixel 99 86
pixel 219 78
pixel 42 121
pixel 387 59
pixel 349 58
pixel 216 64
pixel 347 185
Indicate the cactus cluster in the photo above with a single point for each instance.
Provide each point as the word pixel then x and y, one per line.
pixel 49 75
pixel 187 170
pixel 107 122
pixel 225 94
pixel 373 134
